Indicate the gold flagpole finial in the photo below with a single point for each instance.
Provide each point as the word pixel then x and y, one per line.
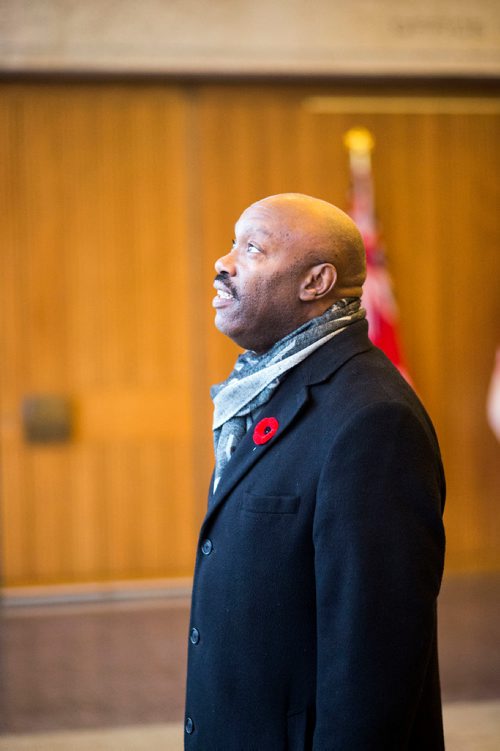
pixel 359 140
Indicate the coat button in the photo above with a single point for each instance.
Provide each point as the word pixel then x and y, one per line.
pixel 207 547
pixel 189 726
pixel 194 636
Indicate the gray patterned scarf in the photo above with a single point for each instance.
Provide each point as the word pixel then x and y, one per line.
pixel 255 377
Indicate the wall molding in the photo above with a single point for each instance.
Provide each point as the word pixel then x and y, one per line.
pixel 97 592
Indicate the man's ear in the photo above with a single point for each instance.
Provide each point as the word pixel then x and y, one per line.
pixel 318 282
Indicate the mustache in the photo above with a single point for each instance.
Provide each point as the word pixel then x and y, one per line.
pixel 224 279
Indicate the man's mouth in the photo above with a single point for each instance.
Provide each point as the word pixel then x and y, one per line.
pixel 224 294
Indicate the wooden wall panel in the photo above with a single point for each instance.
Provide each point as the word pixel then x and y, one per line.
pixel 94 291
pixel 118 199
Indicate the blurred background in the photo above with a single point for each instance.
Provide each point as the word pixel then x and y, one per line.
pixel 131 138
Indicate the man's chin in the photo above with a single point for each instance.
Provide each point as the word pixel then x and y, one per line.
pixel 231 330
pixel 223 324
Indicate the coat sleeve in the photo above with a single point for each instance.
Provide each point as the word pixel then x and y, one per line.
pixel 379 550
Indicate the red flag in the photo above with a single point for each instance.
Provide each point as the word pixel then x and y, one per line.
pixel 378 298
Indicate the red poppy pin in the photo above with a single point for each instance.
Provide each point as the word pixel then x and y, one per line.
pixel 265 430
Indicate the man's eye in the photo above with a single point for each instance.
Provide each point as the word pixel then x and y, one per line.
pixel 253 248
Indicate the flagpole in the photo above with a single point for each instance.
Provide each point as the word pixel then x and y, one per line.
pixel 360 144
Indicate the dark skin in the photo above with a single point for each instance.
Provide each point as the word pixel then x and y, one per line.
pixel 293 256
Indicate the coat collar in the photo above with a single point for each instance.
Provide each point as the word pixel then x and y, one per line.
pixel 327 359
pixel 287 402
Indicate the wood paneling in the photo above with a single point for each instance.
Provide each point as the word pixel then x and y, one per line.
pixel 117 201
pixel 97 307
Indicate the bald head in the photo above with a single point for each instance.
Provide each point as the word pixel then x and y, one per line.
pixel 319 232
pixel 292 257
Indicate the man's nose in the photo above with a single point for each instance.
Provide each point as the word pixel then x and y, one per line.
pixel 225 264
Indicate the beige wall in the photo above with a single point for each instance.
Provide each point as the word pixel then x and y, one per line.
pixel 117 200
pixel 361 37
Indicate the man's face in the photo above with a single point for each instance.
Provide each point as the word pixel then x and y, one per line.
pixel 257 301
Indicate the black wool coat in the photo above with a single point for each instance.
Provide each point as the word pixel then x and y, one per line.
pixel 313 622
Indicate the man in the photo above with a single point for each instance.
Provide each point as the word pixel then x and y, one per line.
pixel 313 622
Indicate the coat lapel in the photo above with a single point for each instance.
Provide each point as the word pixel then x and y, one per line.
pixel 286 403
pixel 284 406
